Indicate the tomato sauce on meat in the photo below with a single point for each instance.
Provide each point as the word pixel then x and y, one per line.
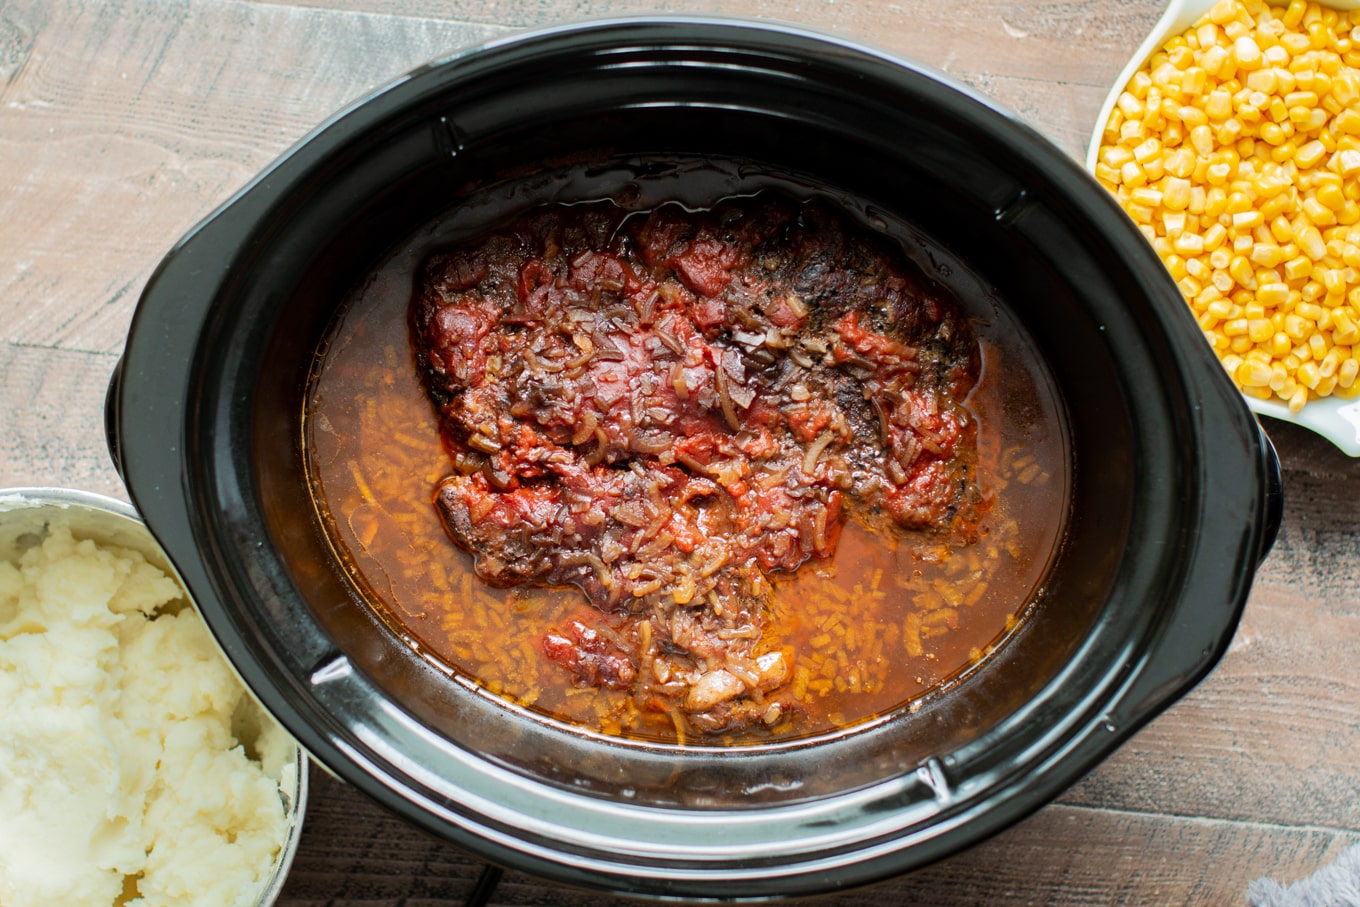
pixel 660 410
pixel 728 475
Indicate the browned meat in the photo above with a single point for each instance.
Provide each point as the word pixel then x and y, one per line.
pixel 659 409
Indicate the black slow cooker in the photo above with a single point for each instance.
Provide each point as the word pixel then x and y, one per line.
pixel 1174 486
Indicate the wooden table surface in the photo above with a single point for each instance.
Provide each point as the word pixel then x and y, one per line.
pixel 124 122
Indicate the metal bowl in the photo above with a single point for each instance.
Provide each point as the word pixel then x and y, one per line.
pixel 25 517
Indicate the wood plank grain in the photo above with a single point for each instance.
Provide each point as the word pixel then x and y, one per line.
pixel 1058 40
pixel 123 124
pixel 51 420
pixel 1053 63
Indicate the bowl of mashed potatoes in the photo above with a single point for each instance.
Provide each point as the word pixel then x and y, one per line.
pixel 135 769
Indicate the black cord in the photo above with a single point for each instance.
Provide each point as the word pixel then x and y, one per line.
pixel 485 887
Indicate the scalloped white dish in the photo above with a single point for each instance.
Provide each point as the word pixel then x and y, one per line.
pixel 1335 419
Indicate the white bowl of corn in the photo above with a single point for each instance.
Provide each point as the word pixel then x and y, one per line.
pixel 1232 139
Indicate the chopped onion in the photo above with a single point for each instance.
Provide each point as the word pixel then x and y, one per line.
pixel 814 452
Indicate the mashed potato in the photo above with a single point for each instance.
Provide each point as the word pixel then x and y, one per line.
pixel 123 774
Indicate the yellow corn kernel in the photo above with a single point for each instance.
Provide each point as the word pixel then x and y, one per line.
pixel 1308 310
pixel 1330 195
pixel 1202 140
pixel 1267 255
pixel 1247 52
pixel 1198 196
pixel 1193 80
pixel 1297 399
pixel 1252 374
pixel 1298 268
pixel 1310 120
pixel 1347 122
pixel 1263 80
pixel 1146 195
pixel 1218 105
pixel 1345 332
pixel 1346 161
pixel 1176 193
pixel 1276 206
pixel 1347 372
pixel 1318 213
pixel 1206 297
pixel 1297 328
pixel 1278 376
pixel 1188 244
pixel 1334 279
pixel 1311 243
pixel 1346 87
pixel 1279 345
pixel 1272 295
pixel 1310 154
pixel 1308 375
pixel 1283 152
pixel 1132 175
pixel 1192 116
pixel 1181 163
pixel 1281 229
pixel 1350 255
pixel 1260 330
pixel 1242 272
pixel 1213 240
pixel 1317 35
pixel 1216 175
pixel 1146 151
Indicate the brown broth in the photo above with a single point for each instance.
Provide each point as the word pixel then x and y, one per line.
pixel 879 626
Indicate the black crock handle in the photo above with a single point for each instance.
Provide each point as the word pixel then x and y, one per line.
pixel 1274 514
pixel 112 413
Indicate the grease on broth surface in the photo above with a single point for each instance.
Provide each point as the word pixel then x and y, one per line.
pixel 887 620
